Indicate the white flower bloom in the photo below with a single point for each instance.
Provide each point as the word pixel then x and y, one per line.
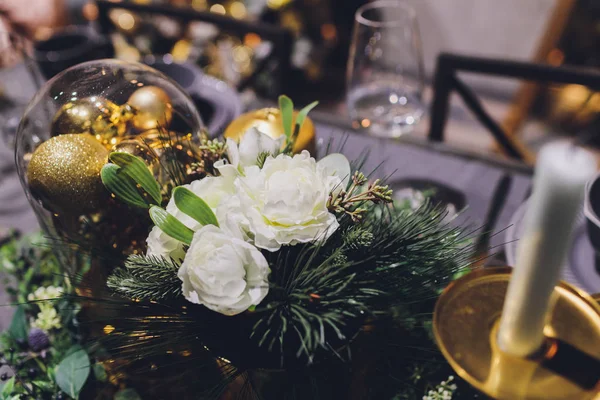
pixel 223 272
pixel 47 319
pixel 285 202
pixel 252 144
pixel 162 245
pixel 213 190
pixel 45 293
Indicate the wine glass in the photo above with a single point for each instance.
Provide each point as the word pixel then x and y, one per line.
pixel 385 69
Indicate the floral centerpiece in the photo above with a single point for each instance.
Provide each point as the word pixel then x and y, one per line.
pixel 264 273
pixel 273 273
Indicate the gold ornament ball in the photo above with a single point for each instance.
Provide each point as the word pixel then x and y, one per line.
pixel 95 115
pixel 268 120
pixel 152 107
pixel 64 173
pixel 142 149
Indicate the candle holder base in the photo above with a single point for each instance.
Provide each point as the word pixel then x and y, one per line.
pixel 465 325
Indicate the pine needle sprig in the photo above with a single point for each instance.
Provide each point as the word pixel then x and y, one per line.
pixel 350 201
pixel 147 278
pixel 262 157
pixel 324 293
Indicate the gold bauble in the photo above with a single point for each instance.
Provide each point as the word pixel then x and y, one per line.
pixel 158 149
pixel 142 149
pixel 96 115
pixel 64 173
pixel 152 107
pixel 268 120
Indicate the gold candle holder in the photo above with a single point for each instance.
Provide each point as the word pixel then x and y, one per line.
pixel 465 325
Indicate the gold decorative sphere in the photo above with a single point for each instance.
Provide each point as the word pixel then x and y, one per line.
pixel 64 173
pixel 95 115
pixel 142 149
pixel 152 107
pixel 268 120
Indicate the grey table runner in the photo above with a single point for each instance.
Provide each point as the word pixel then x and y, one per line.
pixel 476 179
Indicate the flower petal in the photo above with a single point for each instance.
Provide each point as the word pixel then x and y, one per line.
pixel 336 164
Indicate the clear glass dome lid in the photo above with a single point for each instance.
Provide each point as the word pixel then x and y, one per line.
pixel 82 114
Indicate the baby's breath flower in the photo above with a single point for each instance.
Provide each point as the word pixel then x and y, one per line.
pixel 45 293
pixel 443 391
pixel 47 319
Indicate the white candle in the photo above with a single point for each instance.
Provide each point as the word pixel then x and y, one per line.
pixel 561 173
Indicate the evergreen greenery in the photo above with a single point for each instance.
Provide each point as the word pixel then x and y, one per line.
pixel 363 297
pixel 147 278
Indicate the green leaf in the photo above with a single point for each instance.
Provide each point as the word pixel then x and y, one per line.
pixel 122 186
pixel 44 385
pixel 72 372
pixel 194 206
pixel 99 372
pixel 171 225
pixel 137 170
pixel 8 387
pixel 303 113
pixel 287 113
pixel 18 326
pixel 127 394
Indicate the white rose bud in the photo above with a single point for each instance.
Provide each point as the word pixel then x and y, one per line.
pixel 252 144
pixel 223 272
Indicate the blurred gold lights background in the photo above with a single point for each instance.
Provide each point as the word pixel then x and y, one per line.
pixel 225 56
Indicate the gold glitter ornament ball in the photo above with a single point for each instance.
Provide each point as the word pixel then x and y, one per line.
pixel 64 173
pixel 152 108
pixel 95 115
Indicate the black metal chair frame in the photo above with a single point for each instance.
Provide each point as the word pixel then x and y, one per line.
pixel 446 80
pixel 281 39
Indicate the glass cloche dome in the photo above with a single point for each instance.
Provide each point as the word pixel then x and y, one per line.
pixel 74 122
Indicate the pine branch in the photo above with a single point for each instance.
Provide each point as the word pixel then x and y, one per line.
pixel 147 278
pixel 322 294
pixel 350 201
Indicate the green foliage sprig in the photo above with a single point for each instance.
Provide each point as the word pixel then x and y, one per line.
pixel 43 364
pixel 131 182
pixel 350 201
pixel 147 278
pixel 292 129
pixel 391 257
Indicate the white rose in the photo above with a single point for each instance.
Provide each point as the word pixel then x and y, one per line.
pixel 213 190
pixel 252 144
pixel 223 273
pixel 285 202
